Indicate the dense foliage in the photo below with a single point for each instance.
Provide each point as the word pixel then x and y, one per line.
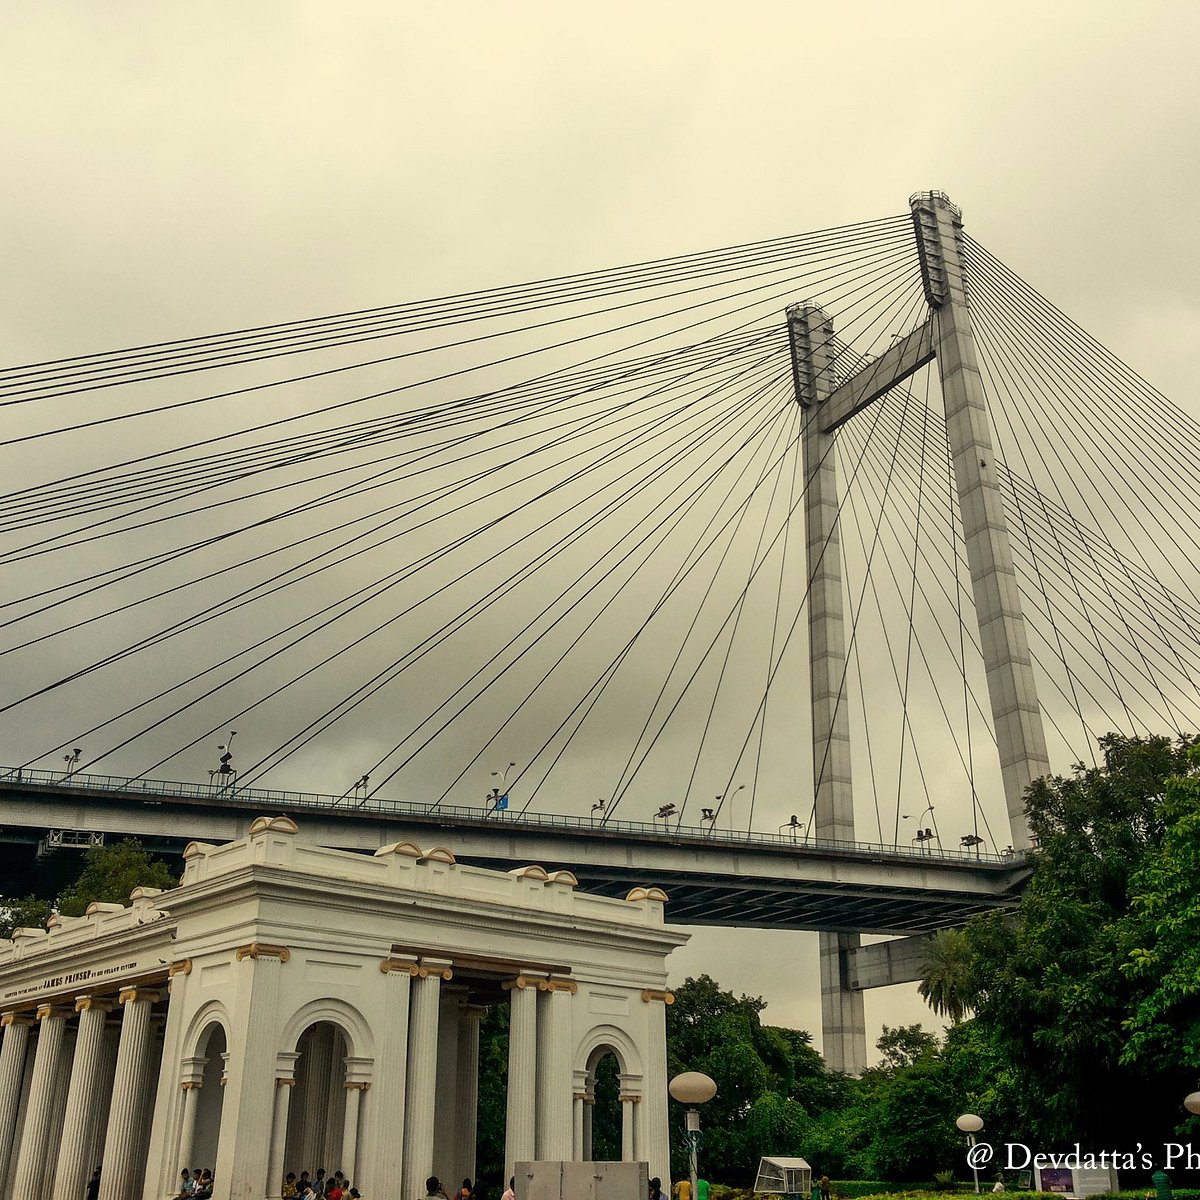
pixel 109 874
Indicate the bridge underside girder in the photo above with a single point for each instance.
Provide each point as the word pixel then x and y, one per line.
pixel 708 882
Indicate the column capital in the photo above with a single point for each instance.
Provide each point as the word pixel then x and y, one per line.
pixel 526 980
pixel 182 966
pixel 649 994
pixel 628 1098
pixel 437 967
pixel 562 985
pixel 129 994
pixel 257 950
pixel 15 1018
pixel 360 1085
pixel 94 1004
pixel 45 1011
pixel 400 964
pixel 285 1083
pixel 191 1085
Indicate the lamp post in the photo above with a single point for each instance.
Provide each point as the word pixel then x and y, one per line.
pixel 970 1124
pixel 692 1088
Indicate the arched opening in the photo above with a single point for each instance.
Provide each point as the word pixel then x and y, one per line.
pixel 208 1071
pixel 316 1117
pixel 602 1114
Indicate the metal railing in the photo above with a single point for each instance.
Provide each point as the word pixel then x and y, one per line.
pixel 450 814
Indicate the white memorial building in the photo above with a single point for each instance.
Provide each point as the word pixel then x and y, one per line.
pixel 290 1007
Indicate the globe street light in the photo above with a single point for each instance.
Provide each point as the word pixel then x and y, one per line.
pixel 1192 1103
pixel 970 1124
pixel 692 1088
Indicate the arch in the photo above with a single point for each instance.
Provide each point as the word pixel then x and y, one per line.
pixel 360 1039
pixel 211 1012
pixel 609 1039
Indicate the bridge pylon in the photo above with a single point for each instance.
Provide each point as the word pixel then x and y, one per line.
pixel 810 331
pixel 946 336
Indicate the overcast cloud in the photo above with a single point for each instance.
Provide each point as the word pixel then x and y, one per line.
pixel 173 170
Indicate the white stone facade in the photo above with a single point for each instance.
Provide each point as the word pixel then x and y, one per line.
pixel 290 1006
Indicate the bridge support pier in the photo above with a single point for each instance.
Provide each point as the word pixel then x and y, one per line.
pixel 843 1021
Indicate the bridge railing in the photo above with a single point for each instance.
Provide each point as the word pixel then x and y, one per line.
pixel 449 814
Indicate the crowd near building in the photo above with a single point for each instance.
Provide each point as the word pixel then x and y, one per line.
pixel 291 1006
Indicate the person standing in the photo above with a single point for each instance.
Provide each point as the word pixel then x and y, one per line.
pixel 93 1186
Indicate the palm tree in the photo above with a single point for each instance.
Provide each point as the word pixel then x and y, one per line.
pixel 946 983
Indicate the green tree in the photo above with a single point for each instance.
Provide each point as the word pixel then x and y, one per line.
pixel 1050 993
pixel 1163 937
pixel 947 984
pixel 26 913
pixel 760 1073
pixel 110 873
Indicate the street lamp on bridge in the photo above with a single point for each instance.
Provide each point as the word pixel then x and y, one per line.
pixel 793 824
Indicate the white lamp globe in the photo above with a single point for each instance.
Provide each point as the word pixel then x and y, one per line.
pixel 969 1123
pixel 1192 1102
pixel 692 1087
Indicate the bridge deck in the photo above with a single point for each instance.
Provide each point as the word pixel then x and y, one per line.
pixel 713 878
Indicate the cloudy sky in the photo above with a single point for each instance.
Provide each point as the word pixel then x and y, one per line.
pixel 177 170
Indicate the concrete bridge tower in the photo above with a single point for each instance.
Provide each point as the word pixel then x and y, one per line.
pixel 947 336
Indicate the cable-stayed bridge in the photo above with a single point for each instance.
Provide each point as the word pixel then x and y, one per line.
pixel 610 567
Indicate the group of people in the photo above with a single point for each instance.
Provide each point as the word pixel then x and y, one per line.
pixel 681 1191
pixel 196 1184
pixel 435 1191
pixel 332 1187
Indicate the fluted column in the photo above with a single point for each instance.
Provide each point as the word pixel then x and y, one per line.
pixel 16 1028
pixel 354 1092
pixel 422 1073
pixel 248 1105
pixel 521 1127
pixel 170 1102
pixel 383 1144
pixel 467 1088
pixel 74 1165
pixel 589 1108
pixel 130 1086
pixel 285 1084
pixel 554 1109
pixel 187 1124
pixel 653 1135
pixel 628 1142
pixel 316 1086
pixel 35 1137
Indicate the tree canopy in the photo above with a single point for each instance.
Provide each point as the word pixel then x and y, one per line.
pixel 109 874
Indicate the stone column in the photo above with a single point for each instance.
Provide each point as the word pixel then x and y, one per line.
pixel 187 1124
pixel 652 1133
pixel 521 1126
pixel 12 1071
pixel 249 1101
pixel 467 1088
pixel 554 1099
pixel 122 1170
pixel 383 1144
pixel 628 1141
pixel 35 1137
pixel 354 1091
pixel 317 1074
pixel 170 1103
pixel 580 1152
pixel 422 1073
pixel 589 1108
pixel 74 1165
pixel 285 1083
